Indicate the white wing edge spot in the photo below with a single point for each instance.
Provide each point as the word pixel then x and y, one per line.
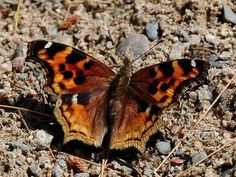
pixel 48 45
pixel 193 63
pixel 74 98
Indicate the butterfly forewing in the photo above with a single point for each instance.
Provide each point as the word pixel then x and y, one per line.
pixel 161 83
pixel 81 83
pixel 69 70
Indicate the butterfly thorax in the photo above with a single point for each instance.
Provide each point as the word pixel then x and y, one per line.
pixel 119 85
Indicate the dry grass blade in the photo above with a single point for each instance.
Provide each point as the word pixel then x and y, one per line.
pixel 196 124
pixel 24 109
pixel 23 121
pixel 103 166
pixel 73 2
pixel 17 15
pixel 222 147
pixel 53 156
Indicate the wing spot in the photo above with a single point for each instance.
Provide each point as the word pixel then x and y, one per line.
pixel 54 49
pixel 67 74
pixel 62 86
pixel 164 87
pixel 152 89
pixel 186 66
pixel 166 68
pixel 152 72
pixel 79 80
pixel 88 65
pixel 75 56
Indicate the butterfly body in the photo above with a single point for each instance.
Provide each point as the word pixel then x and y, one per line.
pixel 94 102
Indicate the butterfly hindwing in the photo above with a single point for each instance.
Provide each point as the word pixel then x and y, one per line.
pixel 81 83
pixel 133 126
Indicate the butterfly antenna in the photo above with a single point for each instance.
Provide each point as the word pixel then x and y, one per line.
pixel 158 42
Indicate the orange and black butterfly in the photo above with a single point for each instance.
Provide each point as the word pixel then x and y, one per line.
pixel 93 101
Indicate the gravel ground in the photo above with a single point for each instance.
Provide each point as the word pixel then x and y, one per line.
pixel 189 29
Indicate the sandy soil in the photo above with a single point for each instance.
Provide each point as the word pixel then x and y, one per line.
pixel 190 29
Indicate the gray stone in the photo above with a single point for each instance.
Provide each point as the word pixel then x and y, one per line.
pixel 57 171
pixel 147 171
pixel 33 170
pixel 152 30
pixel 62 164
pixel 18 63
pixel 42 139
pixel 81 175
pixel 215 61
pixel 134 46
pixel 204 93
pixel 126 169
pixel 177 50
pixel 19 161
pixel 199 157
pixel 6 67
pixel 225 55
pixel 163 147
pixel 18 144
pixel 229 15
pixel 211 39
pixel 194 39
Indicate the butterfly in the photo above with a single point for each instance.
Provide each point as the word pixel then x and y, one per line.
pixel 97 106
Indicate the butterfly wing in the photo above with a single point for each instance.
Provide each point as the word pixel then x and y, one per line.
pixel 160 84
pixel 82 84
pixel 151 89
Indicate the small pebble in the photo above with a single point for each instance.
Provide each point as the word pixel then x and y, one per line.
pixel 147 171
pixel 176 161
pixel 57 171
pixel 152 31
pixel 193 97
pixel 31 93
pixel 33 170
pixel 198 157
pixel 6 67
pixel 134 46
pixel 194 39
pixel 225 55
pixel 18 63
pixel 212 39
pixel 42 139
pixel 204 93
pixel 81 175
pixel 62 164
pixel 215 61
pixel 163 147
pixel 229 14
pixel 177 50
pixel 18 144
pixel 109 45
